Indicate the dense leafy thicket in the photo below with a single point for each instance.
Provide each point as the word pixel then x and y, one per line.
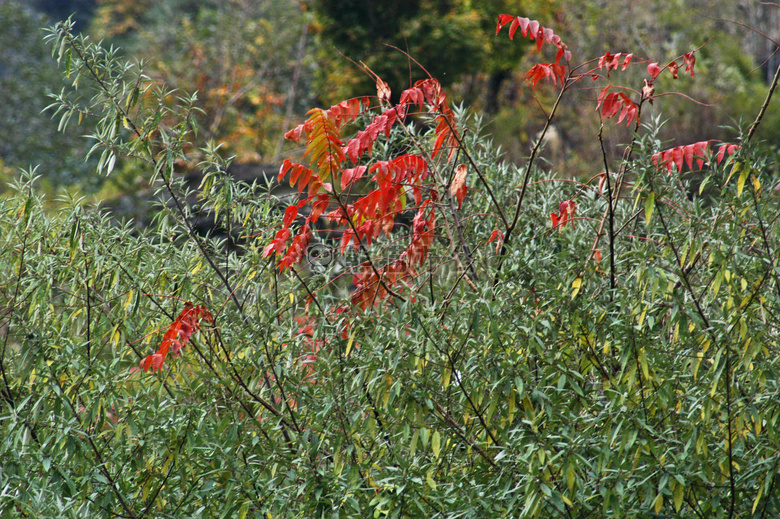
pixel 618 358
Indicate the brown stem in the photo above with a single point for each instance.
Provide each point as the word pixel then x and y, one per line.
pixel 529 166
pixel 764 106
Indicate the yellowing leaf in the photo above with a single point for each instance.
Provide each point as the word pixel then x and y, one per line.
pixel 576 285
pixel 659 503
pixel 445 377
pixel 649 206
pixel 743 175
pixel 756 185
pixel 758 498
pixel 436 443
pixel 129 299
pixel 677 498
pixel 735 169
pixel 430 481
pixel 570 477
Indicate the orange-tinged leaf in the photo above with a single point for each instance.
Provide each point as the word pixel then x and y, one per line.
pixel 690 61
pixel 382 91
pixel 459 179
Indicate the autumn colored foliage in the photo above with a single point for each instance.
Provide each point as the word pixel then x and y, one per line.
pixel 178 334
pixel 336 167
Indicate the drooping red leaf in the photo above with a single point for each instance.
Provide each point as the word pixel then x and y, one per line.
pixel 648 91
pixel 680 155
pixel 674 69
pixel 351 175
pixel 499 237
pixel 614 61
pixel 551 71
pixel 534 31
pixel 565 214
pixel 289 215
pixel 177 335
pixel 458 184
pixel 616 103
pixel 690 61
pixel 297 250
pixel 653 69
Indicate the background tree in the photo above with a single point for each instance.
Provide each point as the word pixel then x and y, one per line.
pixel 451 39
pixel 28 75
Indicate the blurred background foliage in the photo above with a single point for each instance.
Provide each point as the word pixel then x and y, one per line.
pixel 259 65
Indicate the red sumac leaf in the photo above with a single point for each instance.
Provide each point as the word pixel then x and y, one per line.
pixel 533 30
pixel 503 19
pixel 648 90
pixel 351 175
pixel 680 155
pixel 653 69
pixel 674 69
pixel 295 134
pixel 690 61
pixel 458 185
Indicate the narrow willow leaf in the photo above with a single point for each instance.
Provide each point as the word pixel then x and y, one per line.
pixel 743 175
pixel 677 498
pixel 649 206
pixel 576 285
pixel 436 443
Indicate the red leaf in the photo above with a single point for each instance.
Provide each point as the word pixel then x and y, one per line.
pixel 382 91
pixel 513 28
pixel 459 180
pixel 177 335
pixel 613 61
pixel 690 61
pixel 602 95
pixel 351 175
pixel 500 235
pixel 674 69
pixel 566 210
pixel 653 69
pixel 533 30
pixel 289 215
pixel 496 234
pixel 616 103
pixel 503 19
pixel 294 134
pixel 551 71
pixel 648 90
pixel 677 156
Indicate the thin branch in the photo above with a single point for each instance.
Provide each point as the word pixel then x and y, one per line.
pixel 611 216
pixel 764 106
